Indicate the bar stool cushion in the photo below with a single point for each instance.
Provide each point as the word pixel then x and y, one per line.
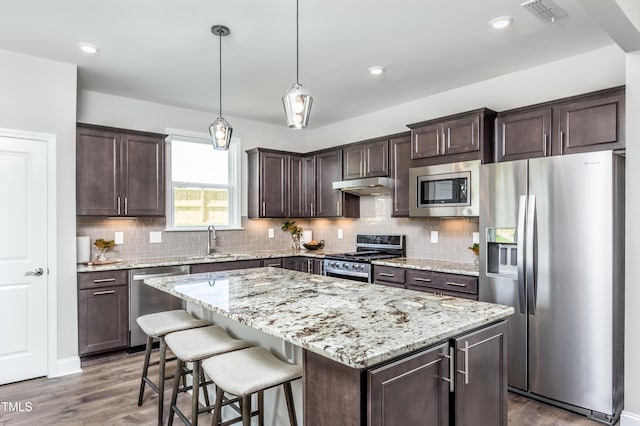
pixel 250 370
pixel 162 323
pixel 199 343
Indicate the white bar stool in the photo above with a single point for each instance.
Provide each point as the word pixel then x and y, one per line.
pixel 194 346
pixel 248 371
pixel 156 326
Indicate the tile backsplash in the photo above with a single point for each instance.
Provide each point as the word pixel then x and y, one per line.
pixel 454 235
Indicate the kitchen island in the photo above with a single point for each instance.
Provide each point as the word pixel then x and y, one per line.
pixel 367 349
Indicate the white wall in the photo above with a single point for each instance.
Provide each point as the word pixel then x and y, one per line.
pixel 39 95
pixel 598 69
pixel 631 415
pixel 117 111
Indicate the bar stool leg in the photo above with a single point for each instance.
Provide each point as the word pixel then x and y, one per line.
pixel 218 407
pixel 204 389
pixel 246 410
pixel 195 394
pixel 145 369
pixel 176 386
pixel 261 408
pixel 161 375
pixel 288 396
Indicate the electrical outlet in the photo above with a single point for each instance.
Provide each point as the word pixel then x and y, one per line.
pixel 119 238
pixel 476 238
pixel 155 237
pixel 271 233
pixel 434 236
pixel 340 234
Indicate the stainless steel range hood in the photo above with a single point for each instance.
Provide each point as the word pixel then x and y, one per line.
pixel 366 186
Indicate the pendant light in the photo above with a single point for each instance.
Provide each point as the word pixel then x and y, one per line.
pixel 220 129
pixel 297 101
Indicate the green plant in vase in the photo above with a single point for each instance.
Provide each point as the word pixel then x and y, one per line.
pixel 296 233
pixel 103 245
pixel 475 248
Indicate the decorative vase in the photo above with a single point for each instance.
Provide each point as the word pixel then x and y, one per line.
pixel 102 254
pixel 476 260
pixel 295 243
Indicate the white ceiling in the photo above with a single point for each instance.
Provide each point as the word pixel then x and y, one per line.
pixel 163 50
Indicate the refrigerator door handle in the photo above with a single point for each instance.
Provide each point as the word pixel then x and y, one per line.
pixel 520 249
pixel 530 254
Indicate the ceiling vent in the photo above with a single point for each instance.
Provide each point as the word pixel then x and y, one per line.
pixel 545 10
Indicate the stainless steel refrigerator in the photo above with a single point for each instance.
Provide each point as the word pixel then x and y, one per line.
pixel 552 246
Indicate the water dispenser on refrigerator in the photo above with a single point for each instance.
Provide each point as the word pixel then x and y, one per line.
pixel 502 252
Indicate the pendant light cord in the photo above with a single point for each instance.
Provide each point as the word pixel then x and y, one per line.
pixel 297 48
pixel 220 76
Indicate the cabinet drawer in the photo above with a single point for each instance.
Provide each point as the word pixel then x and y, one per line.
pixel 388 274
pixel 102 279
pixel 275 263
pixel 448 282
pixel 225 266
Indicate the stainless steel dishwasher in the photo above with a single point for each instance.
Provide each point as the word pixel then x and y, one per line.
pixel 144 299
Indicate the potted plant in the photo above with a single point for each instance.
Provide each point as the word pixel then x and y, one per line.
pixel 475 248
pixel 296 233
pixel 103 245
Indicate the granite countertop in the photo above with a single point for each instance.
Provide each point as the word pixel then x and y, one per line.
pixel 193 260
pixel 356 324
pixel 460 268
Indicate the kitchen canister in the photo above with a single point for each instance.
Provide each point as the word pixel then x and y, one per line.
pixel 307 236
pixel 83 249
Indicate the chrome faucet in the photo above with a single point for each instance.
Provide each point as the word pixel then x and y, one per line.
pixel 211 235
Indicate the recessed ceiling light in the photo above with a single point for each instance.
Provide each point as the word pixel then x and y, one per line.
pixel 88 47
pixel 501 22
pixel 376 70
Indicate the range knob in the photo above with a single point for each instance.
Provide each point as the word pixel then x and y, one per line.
pixel 345 265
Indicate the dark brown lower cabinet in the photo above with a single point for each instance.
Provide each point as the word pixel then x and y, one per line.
pixel 103 318
pixel 480 393
pixel 302 264
pixel 411 391
pixel 415 390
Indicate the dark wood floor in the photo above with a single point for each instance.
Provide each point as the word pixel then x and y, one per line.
pixel 106 393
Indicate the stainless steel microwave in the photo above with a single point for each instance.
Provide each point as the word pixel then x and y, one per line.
pixel 445 190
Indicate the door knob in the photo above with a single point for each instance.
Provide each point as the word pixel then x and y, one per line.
pixel 36 272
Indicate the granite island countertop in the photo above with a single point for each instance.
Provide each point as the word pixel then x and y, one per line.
pixel 356 324
pixel 449 267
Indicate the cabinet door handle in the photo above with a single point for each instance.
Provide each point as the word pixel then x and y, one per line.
pixel 263 209
pixel 384 274
pixel 449 139
pixel 451 378
pixel 99 293
pixel 544 145
pixel 118 206
pixel 456 284
pixel 312 214
pixel 424 280
pixel 105 280
pixel 466 362
pixel 438 142
pixel 275 265
pixel 561 142
pixel 126 210
pixel 338 208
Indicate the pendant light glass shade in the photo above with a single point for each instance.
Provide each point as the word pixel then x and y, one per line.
pixel 297 106
pixel 220 129
pixel 297 101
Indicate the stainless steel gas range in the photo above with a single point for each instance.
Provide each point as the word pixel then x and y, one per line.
pixel 357 265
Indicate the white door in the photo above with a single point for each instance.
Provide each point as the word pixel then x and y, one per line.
pixel 23 259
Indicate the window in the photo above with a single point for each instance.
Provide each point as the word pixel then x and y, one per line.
pixel 203 184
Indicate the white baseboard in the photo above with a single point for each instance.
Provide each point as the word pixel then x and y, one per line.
pixel 66 366
pixel 629 419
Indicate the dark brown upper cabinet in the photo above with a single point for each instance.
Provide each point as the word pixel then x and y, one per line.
pixel 286 184
pixel 523 134
pixel 589 122
pixel 458 137
pixel 368 159
pixel 302 186
pixel 592 123
pixel 119 172
pixel 400 163
pixel 332 202
pixel 268 183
